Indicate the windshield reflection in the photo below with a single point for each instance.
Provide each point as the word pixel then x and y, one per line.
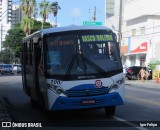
pixel 69 54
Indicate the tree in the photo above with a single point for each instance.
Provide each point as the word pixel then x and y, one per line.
pixel 55 7
pixel 44 10
pixel 28 7
pixel 38 24
pixel 12 43
pixel 27 25
pixel 35 10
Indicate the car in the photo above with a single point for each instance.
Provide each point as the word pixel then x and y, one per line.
pixel 1 66
pixel 19 69
pixel 15 67
pixel 7 68
pixel 133 72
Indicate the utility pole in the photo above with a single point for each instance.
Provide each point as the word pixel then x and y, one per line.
pixel 120 25
pixel 1 37
pixel 94 16
pixel 1 43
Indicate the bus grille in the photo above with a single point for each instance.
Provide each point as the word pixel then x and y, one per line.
pixel 87 92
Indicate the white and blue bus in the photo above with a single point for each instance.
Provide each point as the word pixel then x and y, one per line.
pixel 74 67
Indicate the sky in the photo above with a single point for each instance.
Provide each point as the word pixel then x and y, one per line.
pixel 77 11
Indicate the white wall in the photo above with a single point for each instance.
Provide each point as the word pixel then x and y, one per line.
pixel 136 8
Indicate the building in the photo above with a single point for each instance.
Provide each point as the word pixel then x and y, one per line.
pixel 10 15
pixel 5 19
pixel 140 30
pixel 16 14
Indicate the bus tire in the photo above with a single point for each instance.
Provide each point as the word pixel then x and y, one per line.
pixel 110 111
pixel 34 103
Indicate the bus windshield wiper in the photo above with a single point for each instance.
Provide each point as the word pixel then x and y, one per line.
pixel 97 68
pixel 71 64
pixel 75 58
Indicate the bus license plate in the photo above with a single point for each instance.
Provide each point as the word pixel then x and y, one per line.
pixel 88 102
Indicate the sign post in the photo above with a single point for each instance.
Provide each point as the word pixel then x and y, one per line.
pixel 90 23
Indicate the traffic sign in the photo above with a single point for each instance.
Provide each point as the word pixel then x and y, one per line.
pixel 89 23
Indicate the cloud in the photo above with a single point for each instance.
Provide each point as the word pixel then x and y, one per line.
pixel 76 12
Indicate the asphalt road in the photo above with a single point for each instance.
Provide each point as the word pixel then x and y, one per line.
pixel 142 108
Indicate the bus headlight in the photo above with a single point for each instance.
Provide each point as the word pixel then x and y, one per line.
pixel 119 82
pixel 59 91
pixel 113 87
pixel 116 85
pixel 56 89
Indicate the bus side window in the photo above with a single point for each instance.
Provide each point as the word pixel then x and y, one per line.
pixel 28 53
pixel 39 51
pixel 31 52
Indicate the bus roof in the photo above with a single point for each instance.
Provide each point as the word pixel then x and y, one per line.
pixel 72 28
pixel 69 28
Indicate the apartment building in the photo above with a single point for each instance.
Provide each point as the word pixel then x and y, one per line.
pixel 10 15
pixel 16 14
pixel 5 19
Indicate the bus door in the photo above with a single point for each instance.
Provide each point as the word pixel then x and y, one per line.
pixel 24 61
pixel 33 69
pixel 38 69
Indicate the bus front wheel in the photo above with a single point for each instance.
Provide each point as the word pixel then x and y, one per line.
pixel 110 111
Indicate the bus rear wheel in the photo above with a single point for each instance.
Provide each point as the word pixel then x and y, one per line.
pixel 110 111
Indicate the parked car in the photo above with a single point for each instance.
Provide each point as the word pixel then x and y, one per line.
pixel 19 69
pixel 15 67
pixel 133 72
pixel 1 66
pixel 7 68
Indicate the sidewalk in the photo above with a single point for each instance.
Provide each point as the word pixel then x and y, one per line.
pixel 146 84
pixel 4 111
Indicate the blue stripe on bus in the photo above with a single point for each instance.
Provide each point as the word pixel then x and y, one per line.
pixel 69 103
pixel 86 90
pixel 83 86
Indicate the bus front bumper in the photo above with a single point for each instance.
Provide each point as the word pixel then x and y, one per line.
pixel 69 103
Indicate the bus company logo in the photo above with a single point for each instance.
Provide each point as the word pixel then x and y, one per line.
pixel 98 83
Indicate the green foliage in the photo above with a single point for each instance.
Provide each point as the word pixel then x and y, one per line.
pixel 6 57
pixel 28 8
pixel 55 7
pixel 44 9
pixel 153 67
pixel 27 25
pixel 37 26
pixel 13 40
pixel 12 44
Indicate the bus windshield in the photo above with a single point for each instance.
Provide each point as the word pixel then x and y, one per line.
pixel 81 53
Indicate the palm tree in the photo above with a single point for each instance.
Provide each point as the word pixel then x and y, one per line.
pixel 35 10
pixel 28 9
pixel 28 6
pixel 55 7
pixel 44 10
pixel 27 24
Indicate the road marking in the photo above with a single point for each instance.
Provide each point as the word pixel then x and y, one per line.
pixel 144 100
pixel 143 90
pixel 129 123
